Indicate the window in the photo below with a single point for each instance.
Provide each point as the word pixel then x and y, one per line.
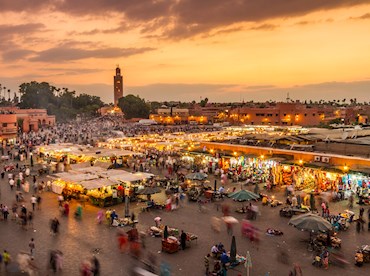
pixel 313 114
pixel 284 114
pixel 276 114
pixel 5 124
pixel 305 114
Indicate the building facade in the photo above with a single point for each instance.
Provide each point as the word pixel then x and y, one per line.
pixel 12 118
pixel 281 114
pixel 118 86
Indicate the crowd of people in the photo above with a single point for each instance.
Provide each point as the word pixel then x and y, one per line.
pixel 28 190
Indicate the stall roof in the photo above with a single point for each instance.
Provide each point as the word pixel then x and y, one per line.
pixel 129 177
pixel 96 183
pixel 75 177
pixel 90 169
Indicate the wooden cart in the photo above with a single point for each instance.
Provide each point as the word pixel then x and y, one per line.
pixel 170 245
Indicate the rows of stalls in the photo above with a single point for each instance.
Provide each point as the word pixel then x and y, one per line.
pixel 239 168
pixel 261 170
pixel 358 183
pixel 319 179
pixel 306 178
pixel 63 155
pixel 101 187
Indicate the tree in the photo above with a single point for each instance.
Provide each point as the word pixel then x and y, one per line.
pixel 134 107
pixel 62 103
pixel 204 102
pixel 36 95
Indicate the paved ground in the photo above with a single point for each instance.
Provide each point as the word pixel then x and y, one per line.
pixel 78 239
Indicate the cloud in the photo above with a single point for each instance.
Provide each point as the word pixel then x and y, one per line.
pixel 8 34
pixel 63 54
pixel 14 55
pixel 264 27
pixel 180 18
pixel 364 16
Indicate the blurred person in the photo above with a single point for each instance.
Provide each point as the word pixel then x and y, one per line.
pixel 216 224
pixel 39 199
pixel 183 238
pixel 31 245
pixel 95 266
pixel 99 217
pixel 30 219
pixel 6 259
pixel 33 202
pixel 59 260
pixel 206 263
pixel 297 271
pixel 78 212
pixel 85 268
pixel 359 258
pixel 122 240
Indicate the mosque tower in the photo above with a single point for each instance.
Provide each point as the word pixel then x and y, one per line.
pixel 118 86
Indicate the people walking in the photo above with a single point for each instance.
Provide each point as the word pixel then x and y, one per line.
pixel 31 245
pixel 33 202
pixel 6 259
pixel 95 266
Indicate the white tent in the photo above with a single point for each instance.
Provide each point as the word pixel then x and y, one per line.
pixel 75 177
pixel 96 183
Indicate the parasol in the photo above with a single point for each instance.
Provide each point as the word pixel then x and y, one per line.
pixel 311 222
pixel 196 176
pixel 149 191
pixel 230 219
pixel 157 219
pixel 244 195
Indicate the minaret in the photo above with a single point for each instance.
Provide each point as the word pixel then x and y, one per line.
pixel 118 86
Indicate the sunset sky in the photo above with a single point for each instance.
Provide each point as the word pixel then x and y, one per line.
pixel 229 50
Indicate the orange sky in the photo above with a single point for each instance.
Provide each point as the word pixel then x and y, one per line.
pixel 184 50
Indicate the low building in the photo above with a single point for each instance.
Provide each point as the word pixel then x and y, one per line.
pixel 283 114
pixel 26 119
pixel 8 127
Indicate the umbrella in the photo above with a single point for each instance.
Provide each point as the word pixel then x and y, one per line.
pixel 196 176
pixel 157 219
pixel 244 195
pixel 311 222
pixel 149 191
pixel 233 251
pixel 230 219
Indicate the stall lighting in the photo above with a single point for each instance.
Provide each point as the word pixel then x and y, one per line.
pixel 300 162
pixel 345 168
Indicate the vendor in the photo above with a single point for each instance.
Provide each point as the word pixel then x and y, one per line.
pixel 215 252
pixel 224 258
pixel 359 258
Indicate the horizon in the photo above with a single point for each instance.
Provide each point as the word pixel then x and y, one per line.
pixel 186 50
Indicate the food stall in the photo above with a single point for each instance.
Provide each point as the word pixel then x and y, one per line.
pixel 101 192
pixel 68 182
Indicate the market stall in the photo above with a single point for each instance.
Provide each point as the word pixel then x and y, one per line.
pixel 101 192
pixel 67 183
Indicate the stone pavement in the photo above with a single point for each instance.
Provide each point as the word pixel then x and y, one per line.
pixel 79 239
